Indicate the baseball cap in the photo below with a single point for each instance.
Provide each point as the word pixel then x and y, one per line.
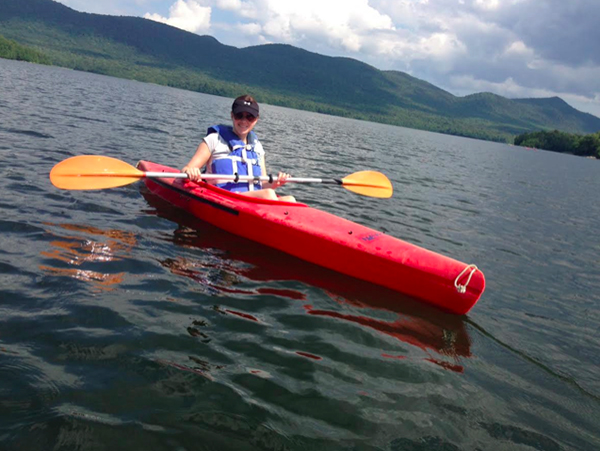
pixel 241 105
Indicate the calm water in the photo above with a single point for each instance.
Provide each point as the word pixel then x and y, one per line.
pixel 126 325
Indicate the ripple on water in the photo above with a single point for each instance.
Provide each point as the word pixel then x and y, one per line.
pixel 125 325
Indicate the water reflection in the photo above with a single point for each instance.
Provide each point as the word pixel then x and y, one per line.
pixel 197 366
pixel 227 260
pixel 78 251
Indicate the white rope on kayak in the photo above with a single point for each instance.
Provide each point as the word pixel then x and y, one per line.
pixel 463 288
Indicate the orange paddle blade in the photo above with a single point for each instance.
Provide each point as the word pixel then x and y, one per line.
pixel 369 183
pixel 93 172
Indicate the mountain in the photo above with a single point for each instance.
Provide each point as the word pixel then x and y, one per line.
pixel 136 48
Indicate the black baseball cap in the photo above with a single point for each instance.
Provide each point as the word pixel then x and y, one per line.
pixel 245 106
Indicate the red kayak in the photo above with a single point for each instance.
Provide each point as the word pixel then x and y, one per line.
pixel 327 240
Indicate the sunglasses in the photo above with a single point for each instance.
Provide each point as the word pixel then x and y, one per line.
pixel 247 116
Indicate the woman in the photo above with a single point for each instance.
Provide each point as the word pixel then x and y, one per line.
pixel 236 150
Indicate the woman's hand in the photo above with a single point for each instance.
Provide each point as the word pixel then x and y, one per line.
pixel 192 169
pixel 281 180
pixel 194 174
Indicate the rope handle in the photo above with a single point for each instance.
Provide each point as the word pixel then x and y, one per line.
pixel 462 289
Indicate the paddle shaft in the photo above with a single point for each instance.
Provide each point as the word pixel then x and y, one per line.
pixel 244 178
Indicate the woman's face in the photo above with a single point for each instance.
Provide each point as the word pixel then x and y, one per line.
pixel 243 123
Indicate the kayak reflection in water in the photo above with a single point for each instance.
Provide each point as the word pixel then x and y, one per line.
pixel 235 150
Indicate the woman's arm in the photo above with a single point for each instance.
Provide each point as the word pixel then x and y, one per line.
pixel 198 161
pixel 281 178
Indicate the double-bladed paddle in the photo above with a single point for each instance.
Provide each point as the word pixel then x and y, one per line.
pixel 89 172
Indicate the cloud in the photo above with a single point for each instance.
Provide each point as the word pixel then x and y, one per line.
pixel 489 5
pixel 334 24
pixel 561 31
pixel 515 48
pixel 510 47
pixel 250 29
pixel 187 15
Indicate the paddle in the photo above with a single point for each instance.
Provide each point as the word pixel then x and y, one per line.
pixel 88 172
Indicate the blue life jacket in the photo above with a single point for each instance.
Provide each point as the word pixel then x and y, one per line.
pixel 242 159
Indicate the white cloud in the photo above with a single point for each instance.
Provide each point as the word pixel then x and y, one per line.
pixel 341 24
pixel 510 47
pixel 488 4
pixel 250 29
pixel 441 45
pixel 230 5
pixel 187 15
pixel 518 48
pixel 246 9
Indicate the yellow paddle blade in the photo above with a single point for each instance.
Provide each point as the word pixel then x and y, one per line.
pixel 93 172
pixel 369 183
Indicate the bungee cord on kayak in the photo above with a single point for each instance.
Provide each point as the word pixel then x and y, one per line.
pixel 463 288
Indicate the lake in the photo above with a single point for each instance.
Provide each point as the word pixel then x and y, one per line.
pixel 125 324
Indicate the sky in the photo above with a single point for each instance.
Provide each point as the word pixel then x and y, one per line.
pixel 513 48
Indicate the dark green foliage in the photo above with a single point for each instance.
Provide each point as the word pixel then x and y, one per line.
pixel 11 50
pixel 136 48
pixel 589 145
pixel 556 141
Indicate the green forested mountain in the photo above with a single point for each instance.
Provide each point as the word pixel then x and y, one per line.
pixel 141 49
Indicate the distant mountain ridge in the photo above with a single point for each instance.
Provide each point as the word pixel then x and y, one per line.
pixel 132 47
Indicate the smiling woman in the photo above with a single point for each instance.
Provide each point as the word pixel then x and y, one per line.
pixel 236 150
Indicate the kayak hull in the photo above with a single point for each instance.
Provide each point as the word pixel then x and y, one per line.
pixel 327 240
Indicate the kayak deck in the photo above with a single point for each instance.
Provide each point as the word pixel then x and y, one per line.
pixel 327 240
